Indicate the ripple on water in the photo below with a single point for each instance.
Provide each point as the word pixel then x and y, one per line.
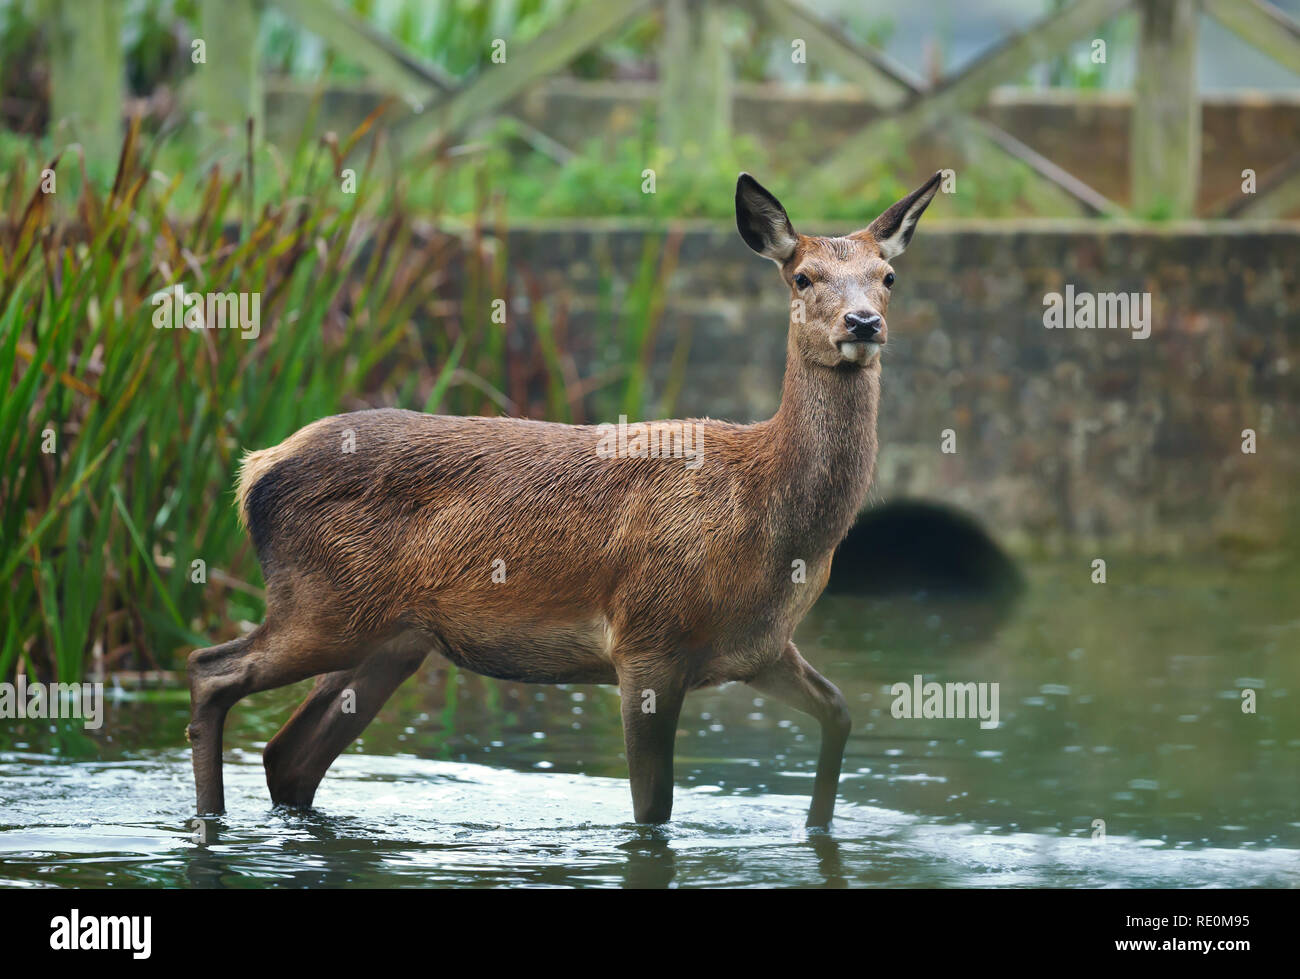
pixel 394 821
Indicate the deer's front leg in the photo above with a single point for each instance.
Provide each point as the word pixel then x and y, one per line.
pixel 793 681
pixel 652 702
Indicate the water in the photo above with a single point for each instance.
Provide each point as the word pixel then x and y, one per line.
pixel 1119 702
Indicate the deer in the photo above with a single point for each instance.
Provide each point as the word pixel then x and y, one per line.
pixel 518 550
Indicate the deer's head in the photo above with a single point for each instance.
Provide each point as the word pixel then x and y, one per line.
pixel 839 287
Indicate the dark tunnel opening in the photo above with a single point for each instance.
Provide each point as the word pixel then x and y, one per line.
pixel 913 547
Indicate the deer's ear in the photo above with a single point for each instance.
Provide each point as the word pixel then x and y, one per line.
pixel 762 221
pixel 893 229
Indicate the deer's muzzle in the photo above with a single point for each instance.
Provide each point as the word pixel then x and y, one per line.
pixel 866 326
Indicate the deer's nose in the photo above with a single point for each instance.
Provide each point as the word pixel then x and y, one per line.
pixel 864 326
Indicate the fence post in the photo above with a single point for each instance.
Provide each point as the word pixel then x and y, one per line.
pixel 227 87
pixel 1165 128
pixel 87 80
pixel 694 78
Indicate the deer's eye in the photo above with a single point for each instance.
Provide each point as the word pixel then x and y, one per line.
pixel 889 280
pixel 802 281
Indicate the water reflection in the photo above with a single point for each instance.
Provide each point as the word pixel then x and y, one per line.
pixel 650 860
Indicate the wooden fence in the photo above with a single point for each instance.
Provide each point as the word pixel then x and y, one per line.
pixel 696 77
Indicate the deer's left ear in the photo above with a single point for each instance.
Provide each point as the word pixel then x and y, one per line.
pixel 893 229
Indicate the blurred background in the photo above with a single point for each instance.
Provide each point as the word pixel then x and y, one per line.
pixel 383 173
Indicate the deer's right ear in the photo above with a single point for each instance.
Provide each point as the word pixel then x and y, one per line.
pixel 762 221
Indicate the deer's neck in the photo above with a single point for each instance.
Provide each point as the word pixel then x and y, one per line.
pixel 823 440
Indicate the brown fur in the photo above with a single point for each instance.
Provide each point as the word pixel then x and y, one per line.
pixel 637 571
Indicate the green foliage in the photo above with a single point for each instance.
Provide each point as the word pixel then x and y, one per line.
pixel 455 36
pixel 1162 208
pixel 25 91
pixel 155 39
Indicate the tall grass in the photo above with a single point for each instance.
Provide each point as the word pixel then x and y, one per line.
pixel 119 439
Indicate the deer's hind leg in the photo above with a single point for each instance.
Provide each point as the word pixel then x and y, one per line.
pixel 221 676
pixel 215 681
pixel 334 714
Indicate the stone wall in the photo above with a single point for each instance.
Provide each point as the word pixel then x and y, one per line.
pixel 1063 437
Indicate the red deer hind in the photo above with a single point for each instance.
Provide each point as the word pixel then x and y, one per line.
pixel 530 551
